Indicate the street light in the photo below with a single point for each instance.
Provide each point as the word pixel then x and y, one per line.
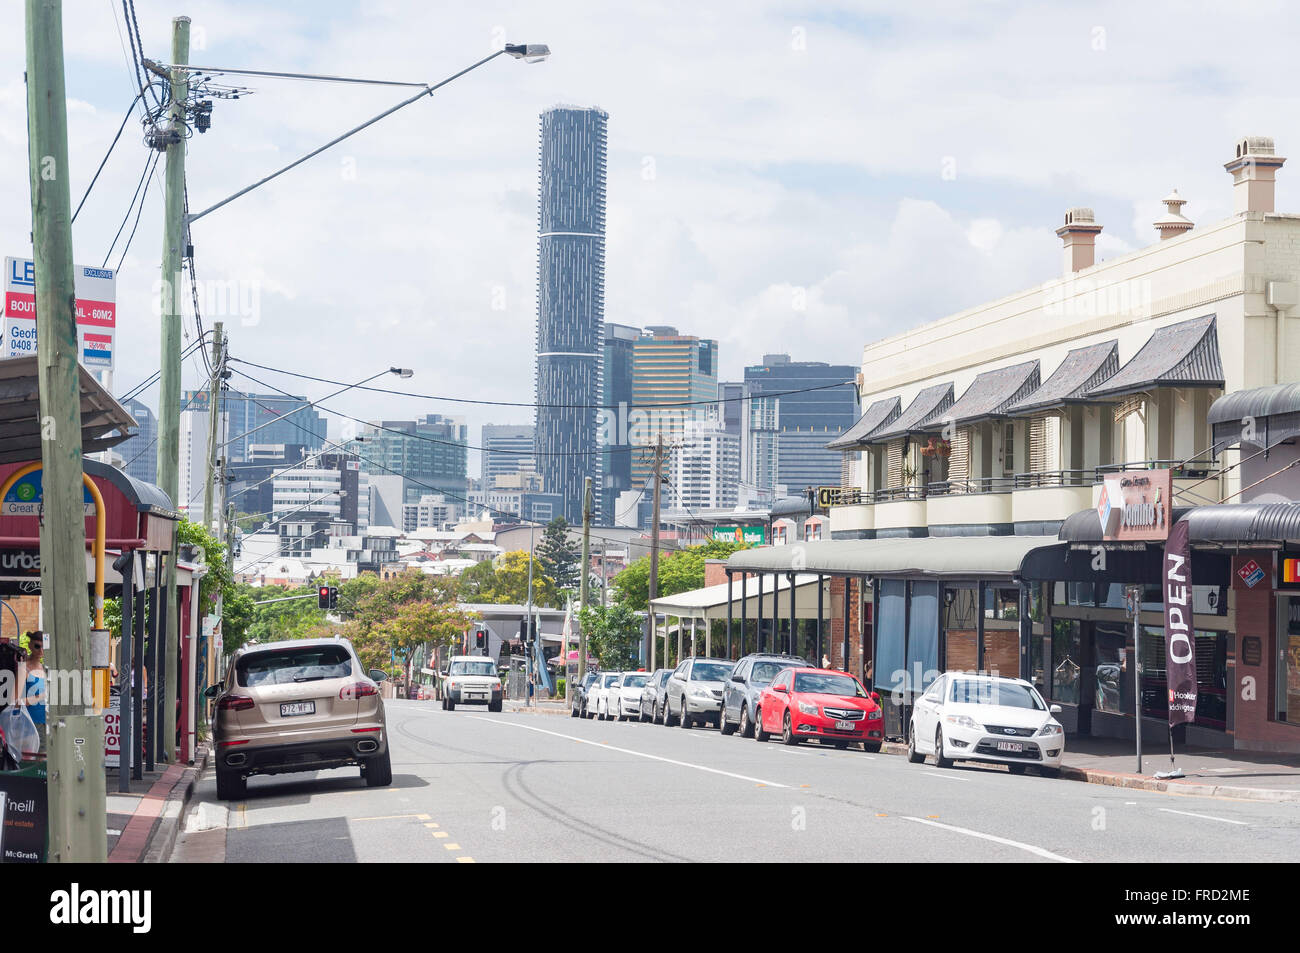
pixel 402 372
pixel 528 52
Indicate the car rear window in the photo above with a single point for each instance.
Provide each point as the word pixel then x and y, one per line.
pixel 286 666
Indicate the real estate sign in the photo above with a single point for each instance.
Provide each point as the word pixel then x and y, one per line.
pixel 96 302
pixel 1135 505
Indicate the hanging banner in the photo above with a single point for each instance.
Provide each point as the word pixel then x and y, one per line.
pixel 1180 644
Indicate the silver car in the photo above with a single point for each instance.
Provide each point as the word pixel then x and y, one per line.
pixel 652 696
pixel 695 691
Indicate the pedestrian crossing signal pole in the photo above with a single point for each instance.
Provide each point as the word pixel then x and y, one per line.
pixel 654 557
pixel 583 585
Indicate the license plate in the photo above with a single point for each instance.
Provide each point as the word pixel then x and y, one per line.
pixel 1010 746
pixel 297 708
pixel 845 725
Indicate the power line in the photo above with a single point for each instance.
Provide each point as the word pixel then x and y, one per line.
pixel 139 212
pixel 150 162
pixel 509 403
pixel 95 178
pixel 152 379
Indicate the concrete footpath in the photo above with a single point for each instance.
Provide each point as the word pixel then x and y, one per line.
pixel 1208 772
pixel 143 823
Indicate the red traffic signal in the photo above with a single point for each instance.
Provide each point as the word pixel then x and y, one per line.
pixel 323 597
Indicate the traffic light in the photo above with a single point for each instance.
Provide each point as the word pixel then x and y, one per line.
pixel 480 639
pixel 323 597
pixel 334 596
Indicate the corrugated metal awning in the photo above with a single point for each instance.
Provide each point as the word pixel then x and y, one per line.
pixel 1083 369
pixel 1185 354
pixel 104 422
pixel 1222 523
pixel 881 412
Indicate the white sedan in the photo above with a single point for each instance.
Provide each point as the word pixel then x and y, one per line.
pixel 626 696
pixel 965 717
pixel 602 691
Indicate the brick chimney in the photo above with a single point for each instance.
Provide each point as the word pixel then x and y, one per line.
pixel 1172 223
pixel 1080 235
pixel 1253 169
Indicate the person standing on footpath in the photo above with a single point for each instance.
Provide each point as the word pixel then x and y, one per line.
pixel 34 687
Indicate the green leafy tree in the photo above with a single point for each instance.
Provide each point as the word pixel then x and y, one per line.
pixel 679 571
pixel 613 634
pixel 510 582
pixel 559 555
pixel 478 582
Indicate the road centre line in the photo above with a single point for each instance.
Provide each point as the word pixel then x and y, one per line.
pixel 638 754
pixel 1038 851
pixel 946 777
pixel 1205 817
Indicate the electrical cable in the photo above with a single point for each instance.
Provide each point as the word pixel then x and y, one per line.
pixel 95 178
pixel 139 212
pixel 150 163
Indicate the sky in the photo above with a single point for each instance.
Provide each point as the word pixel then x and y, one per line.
pixel 783 176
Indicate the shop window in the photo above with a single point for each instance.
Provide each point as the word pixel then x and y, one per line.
pixel 1211 676
pixel 1002 631
pixel 961 637
pixel 1114 672
pixel 1067 650
pixel 1288 669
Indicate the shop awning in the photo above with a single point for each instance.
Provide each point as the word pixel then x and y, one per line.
pixel 1222 524
pixel 967 557
pixel 1083 369
pixel 927 406
pixel 881 412
pixel 711 601
pixel 1273 413
pixel 1185 354
pixel 104 422
pixel 992 392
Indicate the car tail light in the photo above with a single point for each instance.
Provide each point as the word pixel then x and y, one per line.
pixel 234 703
pixel 357 690
pixel 358 731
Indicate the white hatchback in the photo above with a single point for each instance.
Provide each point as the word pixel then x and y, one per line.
pixel 967 717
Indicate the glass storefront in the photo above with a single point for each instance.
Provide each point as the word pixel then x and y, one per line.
pixel 1067 651
pixel 1288 668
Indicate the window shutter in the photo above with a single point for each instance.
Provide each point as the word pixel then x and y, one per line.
pixel 894 463
pixel 1040 457
pixel 959 460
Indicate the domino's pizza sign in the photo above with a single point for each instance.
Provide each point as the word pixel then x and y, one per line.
pixel 96 297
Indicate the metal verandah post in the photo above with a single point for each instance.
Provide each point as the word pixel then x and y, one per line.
pixel 137 676
pixel 790 642
pixel 848 582
pixel 821 584
pixel 729 613
pixel 744 610
pixel 126 721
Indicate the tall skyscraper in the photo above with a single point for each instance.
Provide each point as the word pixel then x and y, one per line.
pixel 140 453
pixel 616 400
pixel 674 380
pixel 570 300
pixel 261 419
pixel 507 449
pixel 815 402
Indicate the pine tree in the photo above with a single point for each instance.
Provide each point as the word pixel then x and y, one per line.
pixel 557 555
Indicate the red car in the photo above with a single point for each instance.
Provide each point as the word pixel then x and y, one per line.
pixel 820 703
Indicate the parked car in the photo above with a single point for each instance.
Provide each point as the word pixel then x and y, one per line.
pixel 598 707
pixel 471 680
pixel 303 705
pixel 964 717
pixel 652 695
pixel 821 703
pixel 627 696
pixel 694 691
pixel 752 674
pixel 579 699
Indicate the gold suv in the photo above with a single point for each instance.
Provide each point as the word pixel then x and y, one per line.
pixel 303 705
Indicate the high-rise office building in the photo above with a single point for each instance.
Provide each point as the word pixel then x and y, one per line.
pixel 431 454
pixel 570 300
pixel 674 379
pixel 261 419
pixel 507 450
pixel 815 403
pixel 140 453
pixel 705 469
pixel 616 402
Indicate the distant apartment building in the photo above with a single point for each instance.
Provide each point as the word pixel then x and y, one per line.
pixel 508 450
pixel 332 489
pixel 616 401
pixel 570 300
pixel 815 403
pixel 500 503
pixel 430 454
pixel 261 419
pixel 252 483
pixel 140 453
pixel 431 510
pixel 674 378
pixel 705 468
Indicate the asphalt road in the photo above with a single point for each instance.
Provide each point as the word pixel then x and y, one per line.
pixel 469 786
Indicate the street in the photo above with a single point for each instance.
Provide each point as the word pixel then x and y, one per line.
pixel 469 786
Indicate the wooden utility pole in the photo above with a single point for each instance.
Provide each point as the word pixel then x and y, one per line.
pixel 169 396
pixel 654 555
pixel 583 585
pixel 214 414
pixel 76 732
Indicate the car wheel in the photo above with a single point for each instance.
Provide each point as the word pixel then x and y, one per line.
pixel 746 726
pixel 939 759
pixel 913 756
pixel 684 719
pixel 494 706
pixel 840 745
pixel 724 726
pixel 620 716
pixel 787 730
pixel 451 705
pixel 231 786
pixel 577 711
pixel 378 771
pixel 871 747
pixel 668 713
pixel 759 733
pixel 1016 768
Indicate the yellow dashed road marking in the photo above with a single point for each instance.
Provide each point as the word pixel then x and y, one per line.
pixel 439 833
pixel 452 846
pixel 464 860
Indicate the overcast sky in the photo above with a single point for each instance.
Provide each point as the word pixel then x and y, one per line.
pixel 783 176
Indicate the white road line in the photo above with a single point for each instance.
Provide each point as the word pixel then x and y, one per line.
pixel 1039 851
pixel 1204 817
pixel 639 754
pixel 946 777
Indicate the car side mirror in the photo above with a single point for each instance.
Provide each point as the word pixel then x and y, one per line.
pixel 875 697
pixel 1054 710
pixel 377 675
pixel 780 688
pixel 212 691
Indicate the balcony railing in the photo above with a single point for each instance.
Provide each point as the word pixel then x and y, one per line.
pixel 1042 479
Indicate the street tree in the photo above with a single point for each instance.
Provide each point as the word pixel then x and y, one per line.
pixel 559 555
